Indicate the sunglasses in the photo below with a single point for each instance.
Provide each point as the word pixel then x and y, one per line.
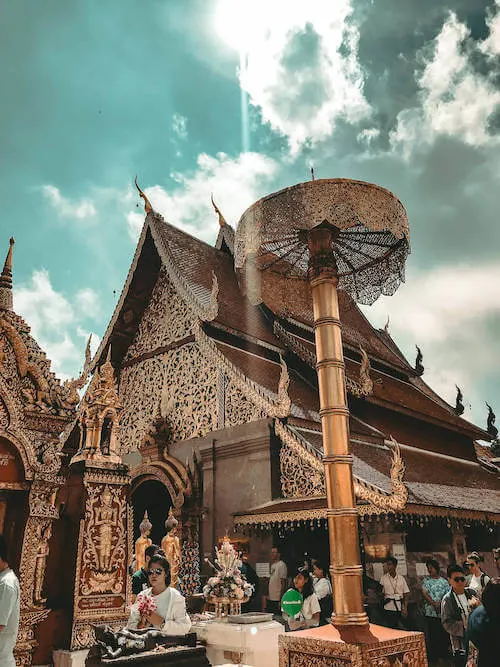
pixel 156 570
pixel 458 579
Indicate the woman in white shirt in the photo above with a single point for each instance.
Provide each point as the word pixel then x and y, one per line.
pixel 308 616
pixel 322 585
pixel 323 589
pixel 170 616
pixel 478 579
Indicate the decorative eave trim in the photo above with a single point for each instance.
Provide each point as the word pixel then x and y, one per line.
pixel 259 396
pixel 205 313
pixel 121 301
pixel 318 514
pixel 395 500
pixel 362 388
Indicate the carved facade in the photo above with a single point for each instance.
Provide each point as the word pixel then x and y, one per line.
pixel 34 409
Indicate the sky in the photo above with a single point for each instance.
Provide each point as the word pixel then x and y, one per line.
pixel 241 98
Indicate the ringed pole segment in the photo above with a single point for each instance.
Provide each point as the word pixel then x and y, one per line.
pixel 335 234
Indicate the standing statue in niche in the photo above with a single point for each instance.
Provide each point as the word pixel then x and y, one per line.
pixel 43 534
pixel 171 545
pixel 106 516
pixel 142 542
pixel 106 429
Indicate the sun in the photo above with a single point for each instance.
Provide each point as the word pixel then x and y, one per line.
pixel 237 23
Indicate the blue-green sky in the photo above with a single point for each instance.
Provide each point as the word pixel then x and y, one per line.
pixel 240 97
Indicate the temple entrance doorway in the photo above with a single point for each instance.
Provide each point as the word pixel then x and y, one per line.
pixel 13 500
pixel 152 496
pixel 302 542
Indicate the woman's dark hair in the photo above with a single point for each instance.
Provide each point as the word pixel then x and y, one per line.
pixel 321 566
pixel 491 598
pixel 3 548
pixel 161 560
pixel 151 550
pixel 433 563
pixel 475 557
pixel 454 568
pixel 308 582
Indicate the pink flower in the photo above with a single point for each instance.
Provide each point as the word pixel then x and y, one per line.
pixel 146 605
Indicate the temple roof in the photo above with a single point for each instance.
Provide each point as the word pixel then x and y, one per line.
pixel 41 392
pixel 246 335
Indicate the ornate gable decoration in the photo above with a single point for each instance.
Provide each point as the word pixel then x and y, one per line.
pixel 302 474
pixel 39 389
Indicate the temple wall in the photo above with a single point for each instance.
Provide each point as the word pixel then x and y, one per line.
pixel 236 476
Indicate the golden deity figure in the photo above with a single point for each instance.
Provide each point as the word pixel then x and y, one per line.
pixel 171 545
pixel 106 516
pixel 43 534
pixel 143 542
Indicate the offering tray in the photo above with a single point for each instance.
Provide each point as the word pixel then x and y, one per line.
pixel 250 617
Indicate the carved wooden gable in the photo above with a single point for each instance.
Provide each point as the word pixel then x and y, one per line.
pixel 167 351
pixel 191 382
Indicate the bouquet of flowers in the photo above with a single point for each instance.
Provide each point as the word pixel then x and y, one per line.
pixel 228 582
pixel 146 605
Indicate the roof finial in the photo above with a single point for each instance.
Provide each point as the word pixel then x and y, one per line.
pixel 6 280
pixel 419 369
pixel 222 220
pixel 459 402
pixel 147 206
pixel 386 327
pixel 491 428
pixel 312 173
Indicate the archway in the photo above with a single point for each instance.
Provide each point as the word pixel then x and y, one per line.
pixel 13 500
pixel 153 496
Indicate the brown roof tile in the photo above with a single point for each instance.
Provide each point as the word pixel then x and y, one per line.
pixel 196 260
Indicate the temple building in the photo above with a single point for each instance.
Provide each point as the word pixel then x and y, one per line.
pixel 203 409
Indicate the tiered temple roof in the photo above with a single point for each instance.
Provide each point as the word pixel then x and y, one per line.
pixel 386 398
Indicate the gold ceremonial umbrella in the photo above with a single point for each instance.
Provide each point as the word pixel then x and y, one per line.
pixel 336 234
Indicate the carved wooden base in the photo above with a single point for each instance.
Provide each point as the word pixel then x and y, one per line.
pixel 374 646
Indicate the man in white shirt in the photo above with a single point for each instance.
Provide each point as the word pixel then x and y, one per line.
pixel 9 609
pixel 277 582
pixel 396 594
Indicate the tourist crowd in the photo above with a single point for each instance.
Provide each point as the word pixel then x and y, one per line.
pixel 459 613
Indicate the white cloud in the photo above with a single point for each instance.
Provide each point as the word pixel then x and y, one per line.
pixel 235 183
pixel 294 70
pixel 67 208
pixel 368 136
pixel 446 312
pixel 456 101
pixel 87 301
pixel 53 321
pixel 491 45
pixel 179 126
pixel 135 222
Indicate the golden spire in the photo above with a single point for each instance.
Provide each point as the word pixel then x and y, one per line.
pixel 222 220
pixel 6 280
pixel 147 206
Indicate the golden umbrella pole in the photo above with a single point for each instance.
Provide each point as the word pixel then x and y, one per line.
pixel 345 561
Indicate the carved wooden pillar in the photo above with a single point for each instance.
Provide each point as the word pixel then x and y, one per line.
pixel 34 558
pixel 101 581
